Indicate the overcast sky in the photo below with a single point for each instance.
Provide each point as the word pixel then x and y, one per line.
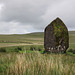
pixel 25 16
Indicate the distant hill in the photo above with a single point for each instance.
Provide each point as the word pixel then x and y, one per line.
pixel 39 34
pixel 71 32
pixel 42 33
pixel 25 39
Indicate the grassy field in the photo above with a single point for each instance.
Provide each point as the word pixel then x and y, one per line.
pixel 24 39
pixel 29 39
pixel 36 64
pixel 23 56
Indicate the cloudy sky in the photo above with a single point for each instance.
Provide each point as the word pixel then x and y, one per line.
pixel 25 16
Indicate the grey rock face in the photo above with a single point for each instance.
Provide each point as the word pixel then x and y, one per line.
pixel 56 37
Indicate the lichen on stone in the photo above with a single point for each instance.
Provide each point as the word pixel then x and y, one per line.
pixel 60 35
pixel 60 31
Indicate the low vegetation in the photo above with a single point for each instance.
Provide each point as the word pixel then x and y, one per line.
pixel 23 49
pixel 36 64
pixel 72 51
pixel 23 55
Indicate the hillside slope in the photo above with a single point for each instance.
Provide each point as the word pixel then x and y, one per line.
pixel 36 38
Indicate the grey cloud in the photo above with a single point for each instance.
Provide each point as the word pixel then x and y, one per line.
pixel 27 11
pixel 23 11
pixel 14 28
pixel 36 14
pixel 64 10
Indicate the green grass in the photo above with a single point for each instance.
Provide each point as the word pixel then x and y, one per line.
pixel 21 39
pixel 23 56
pixel 36 64
pixel 28 39
pixel 23 49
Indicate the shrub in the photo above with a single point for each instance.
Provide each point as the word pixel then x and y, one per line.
pixel 2 49
pixel 32 48
pixel 39 49
pixel 17 49
pixel 72 51
pixel 36 48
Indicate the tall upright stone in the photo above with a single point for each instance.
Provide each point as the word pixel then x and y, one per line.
pixel 56 37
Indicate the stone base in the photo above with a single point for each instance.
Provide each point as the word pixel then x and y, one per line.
pixel 55 51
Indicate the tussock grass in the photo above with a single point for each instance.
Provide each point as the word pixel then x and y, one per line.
pixel 36 64
pixel 23 49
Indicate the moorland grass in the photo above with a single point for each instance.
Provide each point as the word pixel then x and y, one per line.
pixel 28 60
pixel 22 49
pixel 36 64
pixel 29 39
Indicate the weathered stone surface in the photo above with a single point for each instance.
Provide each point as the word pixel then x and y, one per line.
pixel 56 37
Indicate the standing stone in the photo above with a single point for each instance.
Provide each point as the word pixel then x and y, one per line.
pixel 56 37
